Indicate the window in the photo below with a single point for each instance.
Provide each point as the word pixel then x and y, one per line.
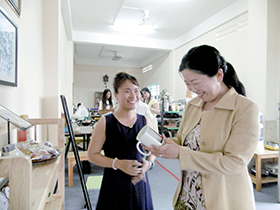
pixel 147 68
pixel 154 88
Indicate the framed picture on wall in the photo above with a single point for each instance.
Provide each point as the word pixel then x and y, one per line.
pixel 16 6
pixel 8 50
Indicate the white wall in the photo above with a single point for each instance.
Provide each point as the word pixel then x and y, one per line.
pixel 28 96
pixel 230 39
pixel 161 73
pixel 273 69
pixel 88 79
pixel 263 60
pixel 25 98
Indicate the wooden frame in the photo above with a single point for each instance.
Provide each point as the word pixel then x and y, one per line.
pixel 15 5
pixel 8 50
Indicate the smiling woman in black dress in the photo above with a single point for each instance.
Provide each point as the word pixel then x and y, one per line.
pixel 125 184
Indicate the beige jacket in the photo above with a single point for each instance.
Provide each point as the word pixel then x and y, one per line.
pixel 228 137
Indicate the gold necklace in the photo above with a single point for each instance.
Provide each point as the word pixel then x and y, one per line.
pixel 131 126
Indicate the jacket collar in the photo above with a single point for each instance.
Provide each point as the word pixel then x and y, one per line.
pixel 226 102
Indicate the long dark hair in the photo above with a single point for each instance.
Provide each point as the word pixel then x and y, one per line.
pixel 104 98
pixel 120 78
pixel 147 90
pixel 207 60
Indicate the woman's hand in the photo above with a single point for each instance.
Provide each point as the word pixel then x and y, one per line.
pixel 130 167
pixel 112 109
pixel 142 175
pixel 169 149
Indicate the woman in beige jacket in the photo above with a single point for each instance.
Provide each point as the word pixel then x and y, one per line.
pixel 217 136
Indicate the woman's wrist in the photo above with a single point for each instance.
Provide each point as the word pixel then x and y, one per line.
pixel 114 164
pixel 151 164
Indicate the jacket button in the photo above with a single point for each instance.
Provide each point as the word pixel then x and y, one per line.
pixel 204 143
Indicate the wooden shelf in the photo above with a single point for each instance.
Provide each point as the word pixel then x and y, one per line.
pixel 167 119
pixel 55 202
pixel 171 127
pixel 258 179
pixel 32 186
pixel 175 111
pixel 267 179
pixel 42 186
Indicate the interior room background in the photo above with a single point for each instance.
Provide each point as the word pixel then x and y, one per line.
pixel 45 62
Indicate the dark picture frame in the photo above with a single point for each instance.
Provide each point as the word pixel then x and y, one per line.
pixel 8 50
pixel 15 5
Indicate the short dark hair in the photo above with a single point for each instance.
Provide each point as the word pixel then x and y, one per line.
pixel 121 77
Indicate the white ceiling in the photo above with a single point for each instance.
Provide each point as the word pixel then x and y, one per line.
pixel 89 24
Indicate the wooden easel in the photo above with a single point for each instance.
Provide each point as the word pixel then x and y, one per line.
pixel 76 153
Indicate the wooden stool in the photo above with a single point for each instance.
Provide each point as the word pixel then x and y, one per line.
pixel 72 163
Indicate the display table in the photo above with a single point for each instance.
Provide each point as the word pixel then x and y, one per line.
pixel 86 140
pixel 258 179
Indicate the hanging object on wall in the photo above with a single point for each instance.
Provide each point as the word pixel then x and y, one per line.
pixel 105 80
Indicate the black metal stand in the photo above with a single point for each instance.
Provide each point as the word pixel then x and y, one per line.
pixel 67 148
pixel 161 115
pixel 9 132
pixel 278 193
pixel 76 153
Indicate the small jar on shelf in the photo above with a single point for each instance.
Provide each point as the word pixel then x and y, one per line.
pixel 23 135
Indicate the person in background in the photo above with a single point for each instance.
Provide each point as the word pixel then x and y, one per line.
pixel 153 104
pixel 217 138
pixel 143 108
pixel 81 112
pixel 125 182
pixel 106 105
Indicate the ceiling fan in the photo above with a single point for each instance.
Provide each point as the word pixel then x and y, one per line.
pixel 145 14
pixel 146 20
pixel 116 57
